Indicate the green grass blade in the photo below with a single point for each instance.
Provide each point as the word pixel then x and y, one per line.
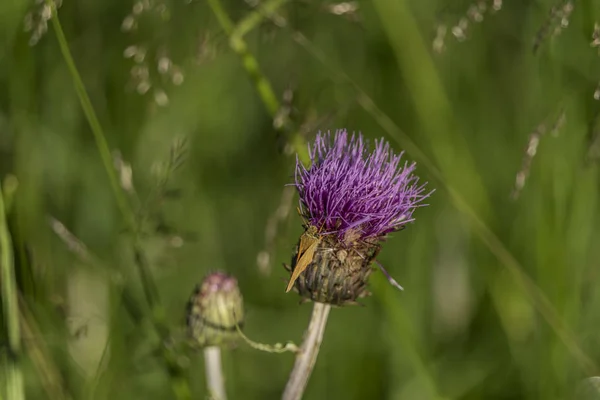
pixel 13 374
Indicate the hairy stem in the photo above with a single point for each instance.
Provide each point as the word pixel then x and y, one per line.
pixel 13 374
pixel 306 358
pixel 214 373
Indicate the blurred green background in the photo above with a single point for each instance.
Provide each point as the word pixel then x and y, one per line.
pixel 501 295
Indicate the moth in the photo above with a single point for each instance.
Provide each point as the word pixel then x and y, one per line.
pixel 309 241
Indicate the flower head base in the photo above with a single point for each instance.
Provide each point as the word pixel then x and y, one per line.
pixel 215 310
pixel 353 198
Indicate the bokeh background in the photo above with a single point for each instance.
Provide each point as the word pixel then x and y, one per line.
pixel 494 101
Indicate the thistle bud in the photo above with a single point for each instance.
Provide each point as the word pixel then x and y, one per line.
pixel 350 199
pixel 215 310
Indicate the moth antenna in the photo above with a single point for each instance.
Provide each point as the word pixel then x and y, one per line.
pixel 388 276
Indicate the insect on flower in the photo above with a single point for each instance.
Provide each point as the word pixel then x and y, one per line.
pixel 309 241
pixel 357 197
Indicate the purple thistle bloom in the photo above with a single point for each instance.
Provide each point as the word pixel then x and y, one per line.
pixel 355 193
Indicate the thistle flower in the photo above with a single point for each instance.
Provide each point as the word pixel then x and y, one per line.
pixel 350 199
pixel 215 310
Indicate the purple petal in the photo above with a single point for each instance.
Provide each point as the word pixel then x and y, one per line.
pixel 348 187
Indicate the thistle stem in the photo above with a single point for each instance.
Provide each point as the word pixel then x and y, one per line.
pixel 306 358
pixel 214 373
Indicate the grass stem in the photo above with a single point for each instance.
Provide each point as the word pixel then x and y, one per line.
pixel 180 385
pixel 13 374
pixel 263 86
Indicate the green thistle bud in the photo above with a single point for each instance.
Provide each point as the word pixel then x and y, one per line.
pixel 215 310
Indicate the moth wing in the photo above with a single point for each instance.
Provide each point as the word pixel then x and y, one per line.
pixel 305 242
pixel 303 262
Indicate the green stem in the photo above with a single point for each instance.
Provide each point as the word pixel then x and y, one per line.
pixel 180 385
pixel 238 44
pixel 37 352
pixel 254 18
pixel 90 115
pixel 14 376
pixel 149 285
pixel 250 64
pixel 10 187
